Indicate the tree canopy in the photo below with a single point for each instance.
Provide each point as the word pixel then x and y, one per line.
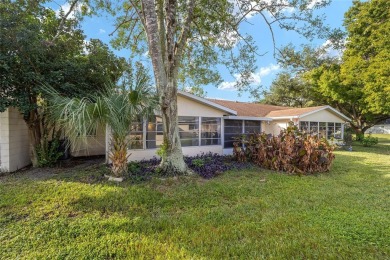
pixel 357 82
pixel 359 85
pixel 32 54
pixel 366 59
pixel 37 48
pixel 289 90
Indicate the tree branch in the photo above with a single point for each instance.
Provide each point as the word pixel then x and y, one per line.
pixel 125 20
pixel 63 19
pixel 180 45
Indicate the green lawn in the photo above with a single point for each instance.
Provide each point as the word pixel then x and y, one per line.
pixel 249 214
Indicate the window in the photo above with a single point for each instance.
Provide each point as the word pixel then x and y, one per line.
pixel 136 136
pixel 322 130
pixel 237 128
pixel 210 131
pixel 314 128
pixel 251 127
pixel 304 126
pixel 330 132
pixel 338 131
pixel 189 130
pixel 233 128
pixel 154 132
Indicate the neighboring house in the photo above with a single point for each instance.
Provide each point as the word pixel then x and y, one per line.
pixel 381 128
pixel 205 125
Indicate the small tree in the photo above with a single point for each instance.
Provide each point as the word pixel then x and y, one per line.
pixel 116 107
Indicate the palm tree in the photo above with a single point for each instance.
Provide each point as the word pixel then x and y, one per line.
pixel 115 107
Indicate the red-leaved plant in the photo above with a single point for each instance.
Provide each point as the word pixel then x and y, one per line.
pixel 291 151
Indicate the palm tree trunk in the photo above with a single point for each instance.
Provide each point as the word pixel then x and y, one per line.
pixel 118 156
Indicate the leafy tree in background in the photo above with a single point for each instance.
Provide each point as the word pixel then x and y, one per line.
pixel 359 85
pixel 38 48
pixel 187 39
pixel 289 90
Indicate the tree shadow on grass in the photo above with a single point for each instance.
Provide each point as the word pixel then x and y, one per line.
pixel 350 162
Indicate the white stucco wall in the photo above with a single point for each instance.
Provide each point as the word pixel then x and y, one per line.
pixel 4 143
pixel 14 141
pixel 274 127
pixel 323 116
pixel 93 145
pixel 188 107
pixel 137 155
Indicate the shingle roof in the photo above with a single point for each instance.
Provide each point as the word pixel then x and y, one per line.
pixel 293 111
pixel 249 109
pixel 262 110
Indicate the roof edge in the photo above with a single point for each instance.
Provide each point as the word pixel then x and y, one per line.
pixel 326 107
pixel 256 118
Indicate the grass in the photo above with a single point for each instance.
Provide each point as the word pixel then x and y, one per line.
pixel 241 214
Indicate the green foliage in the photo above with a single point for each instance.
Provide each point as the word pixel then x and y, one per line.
pixel 252 214
pixel 198 162
pixel 348 131
pixel 48 152
pixel 31 56
pixel 366 59
pixel 196 90
pixel 162 151
pixel 358 83
pixel 368 140
pixel 39 48
pixel 287 90
pixel 291 151
pixel 115 107
pixel 214 38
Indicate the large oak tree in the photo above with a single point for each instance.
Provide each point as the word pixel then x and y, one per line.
pixel 359 85
pixel 357 82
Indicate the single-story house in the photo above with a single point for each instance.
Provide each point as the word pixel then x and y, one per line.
pixel 205 125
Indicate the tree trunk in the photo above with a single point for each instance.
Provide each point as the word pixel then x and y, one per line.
pixel 166 53
pixel 118 155
pixel 172 162
pixel 34 133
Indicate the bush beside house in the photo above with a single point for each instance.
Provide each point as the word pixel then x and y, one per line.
pixel 291 151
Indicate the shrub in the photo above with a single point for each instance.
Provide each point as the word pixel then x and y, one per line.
pixel 359 137
pixel 368 140
pixel 209 165
pixel 348 131
pixel 206 165
pixel 291 151
pixel 48 152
